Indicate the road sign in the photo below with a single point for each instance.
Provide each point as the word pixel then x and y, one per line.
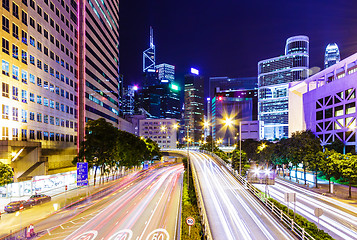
pixel 82 174
pixel 65 188
pixel 290 197
pixel 190 221
pixel 318 212
pixel 21 207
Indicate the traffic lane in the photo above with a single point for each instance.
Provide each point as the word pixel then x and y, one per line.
pixel 132 215
pixel 231 213
pixel 337 225
pixel 67 226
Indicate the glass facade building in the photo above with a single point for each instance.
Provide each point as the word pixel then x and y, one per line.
pixel 332 55
pixel 166 72
pixel 274 75
pixel 194 106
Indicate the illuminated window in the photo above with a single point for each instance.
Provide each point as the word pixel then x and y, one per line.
pixel 32 60
pixel 39 63
pixel 24 96
pixel 15 114
pixel 24 76
pixel 52 104
pixel 15 134
pixel 5 112
pixel 24 56
pixel 57 106
pixel 32 78
pixel 23 116
pixel 338 111
pixel 32 97
pixel 45 135
pixel 15 51
pixel 351 108
pixel 32 41
pixel 52 88
pixel 15 93
pixel 15 72
pixel 39 99
pixel 24 36
pixel 45 118
pixel 39 117
pixel 45 84
pixel 45 102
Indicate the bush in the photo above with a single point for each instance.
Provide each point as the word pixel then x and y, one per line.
pixel 310 227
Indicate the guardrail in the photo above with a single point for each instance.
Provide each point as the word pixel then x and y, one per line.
pixel 278 213
pixel 200 203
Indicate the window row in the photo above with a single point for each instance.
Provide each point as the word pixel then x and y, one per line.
pixel 40 135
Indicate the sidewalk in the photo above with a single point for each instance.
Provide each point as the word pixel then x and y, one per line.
pixel 340 192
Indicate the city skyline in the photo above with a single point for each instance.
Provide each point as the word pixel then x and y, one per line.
pixel 224 49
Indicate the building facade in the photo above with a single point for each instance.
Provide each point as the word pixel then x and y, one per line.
pixel 217 84
pixel 327 103
pixel 332 55
pixel 194 106
pixel 274 76
pixel 238 105
pixel 166 72
pixel 161 131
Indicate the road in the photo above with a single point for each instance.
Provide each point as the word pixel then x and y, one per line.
pixel 339 219
pixel 232 212
pixel 143 207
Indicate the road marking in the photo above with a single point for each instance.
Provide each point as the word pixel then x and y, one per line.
pixel 82 217
pixel 117 223
pixel 72 222
pixel 48 231
pixel 146 222
pixel 61 227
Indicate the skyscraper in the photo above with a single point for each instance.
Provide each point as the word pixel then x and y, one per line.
pixel 98 61
pixel 194 105
pixel 166 72
pixel 332 55
pixel 274 74
pixel 227 83
pixel 150 73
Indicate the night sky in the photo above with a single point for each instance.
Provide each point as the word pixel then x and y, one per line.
pixel 229 37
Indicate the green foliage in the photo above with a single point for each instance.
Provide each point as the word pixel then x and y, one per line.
pixel 336 145
pixel 348 169
pixel 309 227
pixel 6 174
pixel 236 161
pixel 108 148
pixel 190 209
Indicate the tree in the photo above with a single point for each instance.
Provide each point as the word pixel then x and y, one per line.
pixel 153 148
pixel 209 145
pixel 280 154
pixel 303 145
pixel 250 146
pixel 336 145
pixel 348 170
pixel 99 145
pixel 329 165
pixel 6 174
pixel 236 157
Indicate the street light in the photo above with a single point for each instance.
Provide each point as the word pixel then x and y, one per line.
pixel 207 124
pixel 164 129
pixel 228 122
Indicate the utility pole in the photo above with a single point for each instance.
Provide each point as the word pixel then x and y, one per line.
pixel 188 157
pixel 240 147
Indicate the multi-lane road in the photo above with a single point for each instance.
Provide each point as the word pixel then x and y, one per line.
pixel 339 219
pixel 232 212
pixel 143 207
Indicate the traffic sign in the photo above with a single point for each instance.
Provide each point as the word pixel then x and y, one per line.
pixel 318 212
pixel 190 221
pixel 82 174
pixel 21 207
pixel 65 188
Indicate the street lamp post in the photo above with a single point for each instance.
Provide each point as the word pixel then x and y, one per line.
pixel 240 147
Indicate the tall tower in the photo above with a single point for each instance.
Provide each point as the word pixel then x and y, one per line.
pixel 274 76
pixel 332 55
pixel 149 55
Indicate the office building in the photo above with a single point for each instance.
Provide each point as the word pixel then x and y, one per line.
pixel 332 55
pixel 237 105
pixel 161 131
pixel 166 73
pixel 325 103
pixel 194 105
pixel 98 61
pixel 274 76
pixel 217 84
pixel 55 77
pixel 160 101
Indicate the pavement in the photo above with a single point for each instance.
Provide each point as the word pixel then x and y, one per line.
pixel 232 212
pixel 340 191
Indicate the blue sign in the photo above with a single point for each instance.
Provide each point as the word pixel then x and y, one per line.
pixel 82 174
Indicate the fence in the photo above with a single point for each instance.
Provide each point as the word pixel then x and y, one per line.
pixel 278 213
